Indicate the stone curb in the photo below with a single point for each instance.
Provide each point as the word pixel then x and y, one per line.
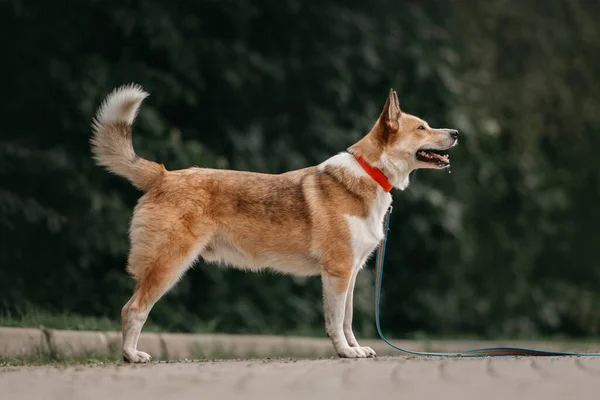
pixel 18 341
pixel 179 346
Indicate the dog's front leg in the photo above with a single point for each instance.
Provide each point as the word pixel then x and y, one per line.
pixel 352 342
pixel 335 291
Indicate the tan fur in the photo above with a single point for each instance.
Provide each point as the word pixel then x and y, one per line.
pixel 296 222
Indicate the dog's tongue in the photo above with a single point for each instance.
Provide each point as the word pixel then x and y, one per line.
pixel 430 154
pixel 445 157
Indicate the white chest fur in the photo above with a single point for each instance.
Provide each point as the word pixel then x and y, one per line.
pixel 368 232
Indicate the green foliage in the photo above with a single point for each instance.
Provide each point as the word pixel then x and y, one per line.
pixel 35 317
pixel 504 245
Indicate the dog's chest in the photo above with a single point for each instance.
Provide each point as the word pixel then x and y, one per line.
pixel 368 232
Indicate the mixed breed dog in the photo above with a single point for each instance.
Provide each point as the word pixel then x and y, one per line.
pixel 321 220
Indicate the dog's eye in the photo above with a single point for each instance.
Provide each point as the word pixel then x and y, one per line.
pixel 421 127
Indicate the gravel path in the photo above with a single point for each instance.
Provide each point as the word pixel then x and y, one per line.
pixel 382 378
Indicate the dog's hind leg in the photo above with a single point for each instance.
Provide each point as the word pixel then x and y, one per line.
pixel 156 268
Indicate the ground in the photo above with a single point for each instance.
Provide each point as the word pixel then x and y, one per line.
pixel 382 378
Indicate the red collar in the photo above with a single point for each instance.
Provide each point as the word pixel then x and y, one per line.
pixel 374 173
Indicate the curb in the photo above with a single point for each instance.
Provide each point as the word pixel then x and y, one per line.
pixel 23 342
pixel 17 341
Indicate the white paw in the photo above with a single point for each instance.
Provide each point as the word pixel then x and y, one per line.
pixel 368 351
pixel 136 356
pixel 355 352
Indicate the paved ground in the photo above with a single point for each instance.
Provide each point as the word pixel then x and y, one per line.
pixel 374 379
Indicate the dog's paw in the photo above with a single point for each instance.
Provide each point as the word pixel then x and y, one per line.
pixel 136 356
pixel 356 352
pixel 369 351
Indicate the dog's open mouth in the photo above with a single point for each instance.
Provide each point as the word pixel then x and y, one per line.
pixel 429 156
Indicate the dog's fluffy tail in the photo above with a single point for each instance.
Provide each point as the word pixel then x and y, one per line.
pixel 111 140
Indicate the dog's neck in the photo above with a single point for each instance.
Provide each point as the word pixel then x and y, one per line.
pixel 375 173
pixel 369 149
pixel 348 172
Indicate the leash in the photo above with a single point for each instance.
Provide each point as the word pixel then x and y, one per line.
pixel 483 352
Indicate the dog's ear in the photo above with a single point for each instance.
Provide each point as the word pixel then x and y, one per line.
pixel 397 103
pixel 391 111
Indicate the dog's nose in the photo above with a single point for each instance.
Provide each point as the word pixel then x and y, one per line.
pixel 453 133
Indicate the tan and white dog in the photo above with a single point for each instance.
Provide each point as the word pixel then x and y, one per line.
pixel 322 220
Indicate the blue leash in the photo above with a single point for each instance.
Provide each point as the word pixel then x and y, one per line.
pixel 483 352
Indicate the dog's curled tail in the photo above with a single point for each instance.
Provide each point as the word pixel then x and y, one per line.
pixel 111 141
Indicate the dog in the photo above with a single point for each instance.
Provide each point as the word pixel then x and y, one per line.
pixel 323 220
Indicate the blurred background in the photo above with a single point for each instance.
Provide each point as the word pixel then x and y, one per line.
pixel 503 246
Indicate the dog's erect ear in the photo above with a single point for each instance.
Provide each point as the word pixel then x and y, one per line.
pixel 397 102
pixel 391 111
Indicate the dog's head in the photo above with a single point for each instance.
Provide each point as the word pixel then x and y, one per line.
pixel 408 142
pixel 400 142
